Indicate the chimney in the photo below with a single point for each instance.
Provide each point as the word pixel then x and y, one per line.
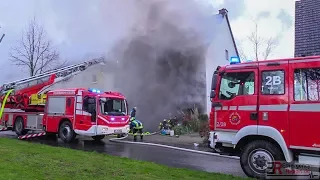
pixel 223 12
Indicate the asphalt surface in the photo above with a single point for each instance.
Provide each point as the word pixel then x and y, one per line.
pixel 169 157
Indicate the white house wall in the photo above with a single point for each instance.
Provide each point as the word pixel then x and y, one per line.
pixel 216 55
pixel 95 76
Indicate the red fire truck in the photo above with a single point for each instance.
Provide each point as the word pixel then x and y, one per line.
pixel 267 111
pixel 30 105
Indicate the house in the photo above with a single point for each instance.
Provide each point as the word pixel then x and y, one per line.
pixel 222 47
pixel 107 76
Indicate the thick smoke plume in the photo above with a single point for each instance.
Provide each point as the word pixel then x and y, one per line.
pixel 161 61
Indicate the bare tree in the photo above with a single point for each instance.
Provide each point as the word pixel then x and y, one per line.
pixel 262 48
pixel 2 36
pixel 35 51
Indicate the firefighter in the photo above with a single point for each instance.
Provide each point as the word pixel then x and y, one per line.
pixel 133 112
pixel 165 124
pixel 174 121
pixel 136 127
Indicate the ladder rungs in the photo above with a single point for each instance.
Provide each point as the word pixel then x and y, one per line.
pixel 61 72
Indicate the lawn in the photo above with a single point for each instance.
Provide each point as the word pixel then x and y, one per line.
pixel 24 160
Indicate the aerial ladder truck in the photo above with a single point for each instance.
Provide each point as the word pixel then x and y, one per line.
pixel 31 105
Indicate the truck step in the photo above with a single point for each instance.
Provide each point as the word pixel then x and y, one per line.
pixel 28 136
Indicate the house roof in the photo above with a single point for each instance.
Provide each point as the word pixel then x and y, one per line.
pixel 224 13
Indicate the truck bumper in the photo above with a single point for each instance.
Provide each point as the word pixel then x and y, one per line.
pixel 218 138
pixel 212 142
pixel 105 130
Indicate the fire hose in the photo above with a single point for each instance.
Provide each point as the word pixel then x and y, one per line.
pixel 121 140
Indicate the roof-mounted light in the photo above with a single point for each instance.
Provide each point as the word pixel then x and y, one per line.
pixel 94 90
pixel 235 60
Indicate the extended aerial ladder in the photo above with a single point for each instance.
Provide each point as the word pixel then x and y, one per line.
pixel 29 94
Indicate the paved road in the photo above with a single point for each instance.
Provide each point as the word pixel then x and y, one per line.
pixel 173 158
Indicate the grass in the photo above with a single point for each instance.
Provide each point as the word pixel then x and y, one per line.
pixel 23 160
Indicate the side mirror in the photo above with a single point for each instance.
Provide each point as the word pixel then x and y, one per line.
pixel 231 84
pixel 214 81
pixel 213 94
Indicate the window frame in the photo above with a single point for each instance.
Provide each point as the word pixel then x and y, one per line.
pixel 284 82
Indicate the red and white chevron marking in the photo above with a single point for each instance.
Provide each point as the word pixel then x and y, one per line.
pixel 3 129
pixel 32 135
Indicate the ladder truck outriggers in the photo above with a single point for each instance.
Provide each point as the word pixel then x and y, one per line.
pixel 267 112
pixel 29 105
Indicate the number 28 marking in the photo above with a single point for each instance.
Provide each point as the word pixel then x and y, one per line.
pixel 221 124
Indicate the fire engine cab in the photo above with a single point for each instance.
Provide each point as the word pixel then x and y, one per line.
pixel 29 105
pixel 267 111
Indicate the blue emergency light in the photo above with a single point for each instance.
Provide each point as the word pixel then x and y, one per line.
pixel 94 90
pixel 235 60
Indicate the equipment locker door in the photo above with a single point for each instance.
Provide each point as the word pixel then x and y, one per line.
pixel 273 99
pixel 236 104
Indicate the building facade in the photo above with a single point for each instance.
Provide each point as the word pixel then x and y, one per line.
pixel 307 28
pixel 222 47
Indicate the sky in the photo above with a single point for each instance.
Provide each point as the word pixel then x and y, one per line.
pixel 84 30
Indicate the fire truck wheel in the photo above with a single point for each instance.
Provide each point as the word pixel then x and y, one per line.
pixel 66 132
pixel 19 127
pixel 98 138
pixel 255 155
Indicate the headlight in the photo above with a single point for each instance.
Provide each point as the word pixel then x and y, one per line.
pixel 104 129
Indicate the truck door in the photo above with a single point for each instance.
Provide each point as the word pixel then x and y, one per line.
pixel 236 104
pixel 273 99
pixel 86 122
pixel 305 105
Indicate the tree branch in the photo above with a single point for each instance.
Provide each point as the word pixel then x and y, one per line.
pixel 260 46
pixel 2 37
pixel 271 44
pixel 35 51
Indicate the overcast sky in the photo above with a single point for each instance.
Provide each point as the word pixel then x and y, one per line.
pixel 88 28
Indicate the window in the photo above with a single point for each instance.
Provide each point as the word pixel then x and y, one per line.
pixel 236 83
pixel 115 107
pixel 307 84
pixel 227 55
pixel 56 105
pixel 273 82
pixel 94 78
pixel 89 104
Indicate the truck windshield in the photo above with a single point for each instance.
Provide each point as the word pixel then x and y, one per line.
pixel 114 107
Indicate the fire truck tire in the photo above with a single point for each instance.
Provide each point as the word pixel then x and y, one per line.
pixel 66 132
pixel 98 138
pixel 19 127
pixel 255 155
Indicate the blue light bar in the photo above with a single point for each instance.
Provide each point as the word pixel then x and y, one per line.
pixel 235 60
pixel 94 90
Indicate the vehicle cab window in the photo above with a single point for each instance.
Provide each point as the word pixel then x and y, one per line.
pixel 114 107
pixel 273 82
pixel 236 83
pixel 89 104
